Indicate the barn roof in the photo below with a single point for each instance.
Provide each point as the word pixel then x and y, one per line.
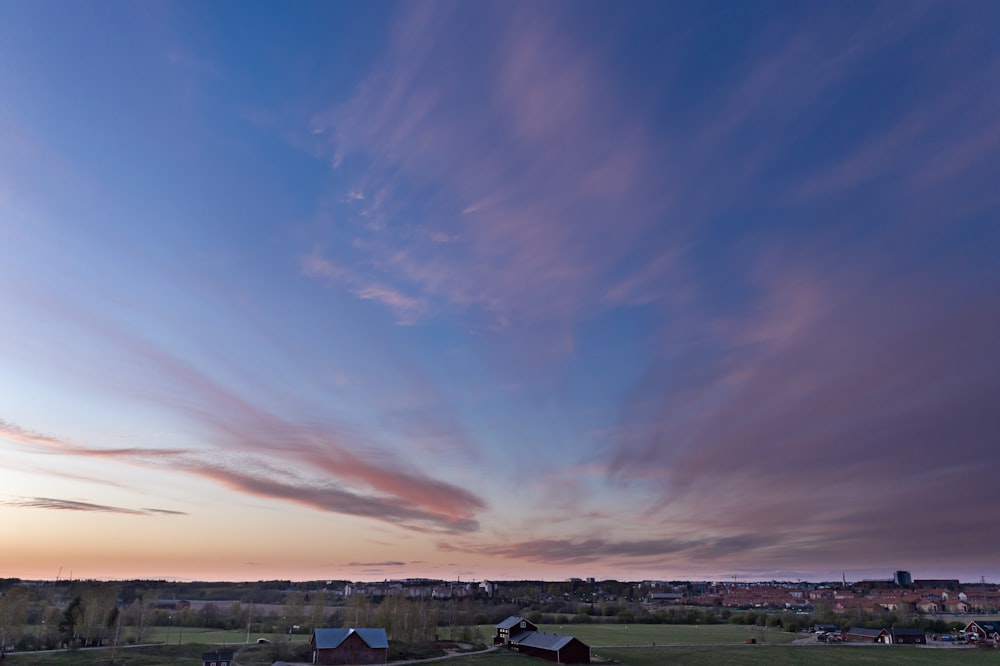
pixel 375 638
pixel 907 631
pixel 542 640
pixel 864 631
pixel 332 638
pixel 511 622
pixel 988 625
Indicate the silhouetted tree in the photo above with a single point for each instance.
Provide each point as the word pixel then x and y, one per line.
pixel 70 619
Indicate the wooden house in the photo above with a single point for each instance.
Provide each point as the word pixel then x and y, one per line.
pixel 349 646
pixel 984 630
pixel 512 625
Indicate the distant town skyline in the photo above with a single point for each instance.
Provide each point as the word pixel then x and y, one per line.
pixel 842 579
pixel 499 290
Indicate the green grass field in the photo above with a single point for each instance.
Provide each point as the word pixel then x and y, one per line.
pixel 660 634
pixel 644 634
pixel 189 653
pixel 762 655
pixel 779 655
pixel 638 645
pixel 195 635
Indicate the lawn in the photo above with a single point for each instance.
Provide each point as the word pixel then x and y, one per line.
pixel 763 655
pixel 160 655
pixel 813 655
pixel 759 655
pixel 660 634
pixel 174 635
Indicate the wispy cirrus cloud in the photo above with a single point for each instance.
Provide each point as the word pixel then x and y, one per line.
pixel 380 486
pixel 536 176
pixel 584 550
pixel 77 505
pixel 352 472
pixel 328 498
pixel 14 432
pixel 165 512
pixel 445 507
pixel 408 309
pixel 812 400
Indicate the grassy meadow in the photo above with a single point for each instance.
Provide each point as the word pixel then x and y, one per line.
pixel 762 655
pixel 187 653
pixel 638 645
pixel 198 635
pixel 660 634
pixel 813 655
pixel 641 634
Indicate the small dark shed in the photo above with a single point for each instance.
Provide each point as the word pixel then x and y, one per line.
pixel 217 658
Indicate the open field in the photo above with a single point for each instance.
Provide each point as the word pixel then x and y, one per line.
pixel 777 655
pixel 189 653
pixel 197 635
pixel 660 634
pixel 644 634
pixel 764 655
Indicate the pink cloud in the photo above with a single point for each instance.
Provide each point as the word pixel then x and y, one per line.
pixel 525 140
pixel 408 309
pixel 396 510
pixel 828 416
pixel 231 421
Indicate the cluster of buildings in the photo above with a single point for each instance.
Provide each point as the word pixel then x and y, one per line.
pixel 975 631
pixel 420 588
pixel 371 645
pixel 871 596
pixel 521 635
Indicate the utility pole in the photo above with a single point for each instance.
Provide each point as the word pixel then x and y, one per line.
pixel 249 620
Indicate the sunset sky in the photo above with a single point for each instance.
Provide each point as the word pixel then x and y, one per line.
pixel 494 290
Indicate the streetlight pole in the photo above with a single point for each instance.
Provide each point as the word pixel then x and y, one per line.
pixel 249 620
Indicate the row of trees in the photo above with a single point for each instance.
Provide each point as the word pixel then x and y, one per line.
pixel 90 618
pixel 98 613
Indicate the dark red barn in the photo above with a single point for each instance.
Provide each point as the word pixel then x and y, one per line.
pixel 560 649
pixel 349 646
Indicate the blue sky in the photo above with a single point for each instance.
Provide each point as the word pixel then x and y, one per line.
pixel 503 290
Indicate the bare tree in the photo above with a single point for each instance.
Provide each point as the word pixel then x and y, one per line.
pixel 318 610
pixel 13 611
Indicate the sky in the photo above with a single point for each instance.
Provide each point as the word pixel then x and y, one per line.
pixel 503 290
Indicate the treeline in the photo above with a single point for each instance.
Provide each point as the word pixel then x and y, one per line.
pixel 95 613
pixel 795 622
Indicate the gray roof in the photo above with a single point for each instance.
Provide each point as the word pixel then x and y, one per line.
pixel 332 638
pixel 907 631
pixel 864 631
pixel 989 626
pixel 541 639
pixel 511 622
